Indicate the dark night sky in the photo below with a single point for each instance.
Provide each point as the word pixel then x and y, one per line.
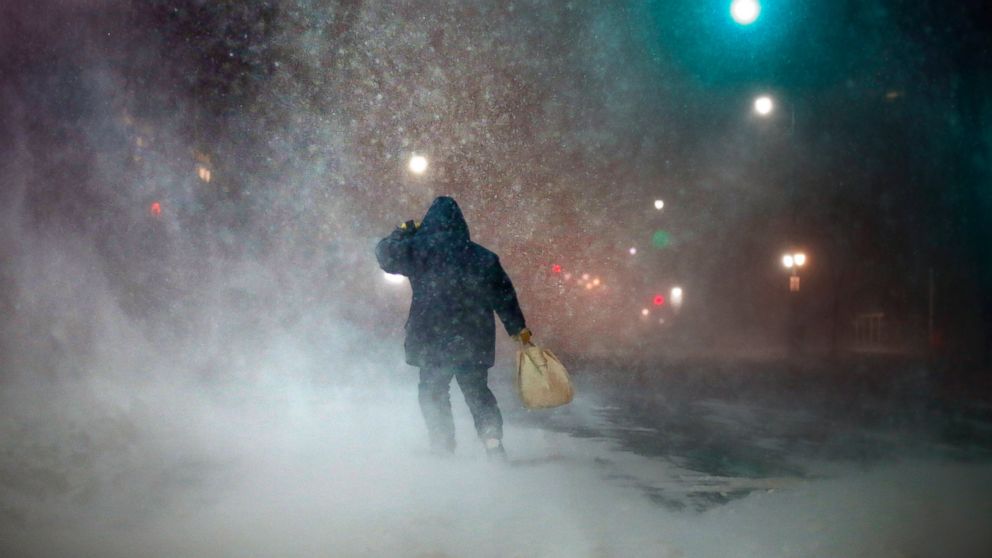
pixel 555 125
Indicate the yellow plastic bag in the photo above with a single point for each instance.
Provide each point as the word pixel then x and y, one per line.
pixel 542 380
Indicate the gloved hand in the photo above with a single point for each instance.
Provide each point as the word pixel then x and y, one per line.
pixel 405 230
pixel 523 337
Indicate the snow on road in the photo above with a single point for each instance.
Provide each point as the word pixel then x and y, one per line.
pixel 302 470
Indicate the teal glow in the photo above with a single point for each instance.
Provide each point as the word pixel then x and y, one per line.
pixel 661 239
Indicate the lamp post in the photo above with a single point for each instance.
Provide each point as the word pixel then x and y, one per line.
pixel 793 262
pixel 795 331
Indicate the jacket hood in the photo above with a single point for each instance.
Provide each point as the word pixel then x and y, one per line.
pixel 444 215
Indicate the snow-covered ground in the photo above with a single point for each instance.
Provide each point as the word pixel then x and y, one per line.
pixel 291 468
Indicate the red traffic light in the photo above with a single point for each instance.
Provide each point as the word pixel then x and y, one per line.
pixel 658 300
pixel 556 268
pixel 155 209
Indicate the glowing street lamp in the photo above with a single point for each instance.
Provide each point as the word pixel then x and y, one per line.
pixel 745 12
pixel 417 164
pixel 793 262
pixel 632 251
pixel 659 204
pixel 764 105
pixel 676 297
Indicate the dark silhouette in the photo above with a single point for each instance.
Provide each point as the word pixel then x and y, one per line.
pixel 457 285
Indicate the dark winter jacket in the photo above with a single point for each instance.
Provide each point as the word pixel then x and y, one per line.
pixel 457 285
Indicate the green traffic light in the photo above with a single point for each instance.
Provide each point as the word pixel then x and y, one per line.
pixel 745 12
pixel 661 239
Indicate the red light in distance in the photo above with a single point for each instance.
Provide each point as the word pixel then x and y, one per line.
pixel 658 300
pixel 155 209
pixel 556 268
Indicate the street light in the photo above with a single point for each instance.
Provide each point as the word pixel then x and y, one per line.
pixel 659 204
pixel 745 12
pixel 793 262
pixel 417 164
pixel 764 105
pixel 676 297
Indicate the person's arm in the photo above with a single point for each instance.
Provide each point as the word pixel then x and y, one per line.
pixel 395 251
pixel 506 305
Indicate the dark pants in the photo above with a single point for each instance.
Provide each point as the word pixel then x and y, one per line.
pixel 435 403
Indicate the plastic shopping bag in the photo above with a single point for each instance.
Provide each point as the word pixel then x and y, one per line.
pixel 542 380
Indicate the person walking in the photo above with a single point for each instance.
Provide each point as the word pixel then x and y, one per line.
pixel 457 285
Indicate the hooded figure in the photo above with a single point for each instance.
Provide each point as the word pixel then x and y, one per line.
pixel 457 285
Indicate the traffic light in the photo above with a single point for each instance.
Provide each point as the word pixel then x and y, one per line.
pixel 658 300
pixel 661 239
pixel 556 268
pixel 745 12
pixel 155 209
